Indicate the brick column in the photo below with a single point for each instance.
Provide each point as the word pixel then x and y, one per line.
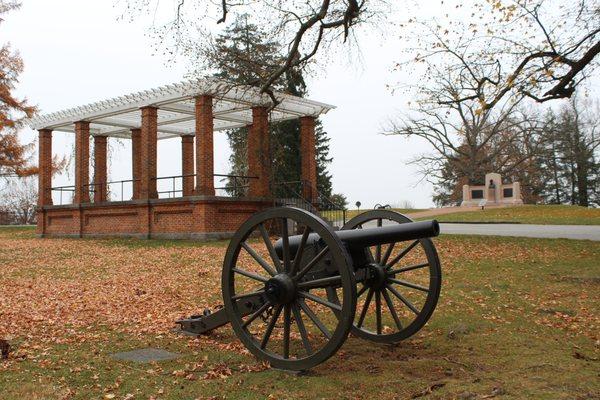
pixel 308 155
pixel 100 169
pixel 204 146
pixel 136 162
pixel 45 168
pixel 259 154
pixel 149 136
pixel 82 162
pixel 187 164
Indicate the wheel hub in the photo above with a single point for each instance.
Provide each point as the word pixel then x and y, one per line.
pixel 377 276
pixel 280 289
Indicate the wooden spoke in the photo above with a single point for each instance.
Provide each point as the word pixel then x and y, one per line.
pixel 361 291
pixel 246 295
pixel 300 251
pixel 250 275
pixel 285 248
pixel 321 301
pixel 387 254
pixel 270 248
pixel 402 299
pixel 330 281
pixel 363 313
pixel 256 314
pixel 313 317
pixel 403 253
pixel 311 264
pixel 410 285
pixel 405 269
pixel 390 305
pixel 287 322
pixel 378 247
pixel 378 311
pixel 259 259
pixel 302 329
pixel 272 322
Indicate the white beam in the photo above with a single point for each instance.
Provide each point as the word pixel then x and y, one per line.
pixel 166 96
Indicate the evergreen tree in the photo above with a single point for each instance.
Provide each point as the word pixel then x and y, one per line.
pixel 244 54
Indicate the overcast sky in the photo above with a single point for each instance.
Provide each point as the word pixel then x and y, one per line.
pixel 77 52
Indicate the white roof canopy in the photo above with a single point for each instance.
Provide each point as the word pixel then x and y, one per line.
pixel 232 108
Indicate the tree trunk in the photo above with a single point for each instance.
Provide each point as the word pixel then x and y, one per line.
pixel 555 173
pixel 582 183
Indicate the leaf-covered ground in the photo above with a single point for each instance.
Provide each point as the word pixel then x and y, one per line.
pixel 529 214
pixel 518 318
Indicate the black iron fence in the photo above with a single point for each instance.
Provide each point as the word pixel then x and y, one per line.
pixel 114 190
pixel 61 196
pixel 235 185
pixel 303 195
pixel 167 187
pixel 171 187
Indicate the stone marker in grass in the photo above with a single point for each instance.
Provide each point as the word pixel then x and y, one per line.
pixel 146 355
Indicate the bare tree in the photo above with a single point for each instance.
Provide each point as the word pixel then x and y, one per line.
pixel 471 138
pixel 19 199
pixel 540 49
pixel 303 27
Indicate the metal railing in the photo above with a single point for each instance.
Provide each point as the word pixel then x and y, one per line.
pixel 302 195
pixel 236 185
pixel 105 187
pixel 61 189
pixel 176 186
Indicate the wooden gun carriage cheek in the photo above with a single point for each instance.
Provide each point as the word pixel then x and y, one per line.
pixel 293 288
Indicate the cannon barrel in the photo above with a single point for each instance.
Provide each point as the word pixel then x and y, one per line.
pixel 360 238
pixel 389 234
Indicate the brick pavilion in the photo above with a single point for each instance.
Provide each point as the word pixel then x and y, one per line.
pixel 191 111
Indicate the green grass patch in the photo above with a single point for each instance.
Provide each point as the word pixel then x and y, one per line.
pixel 530 214
pixel 353 213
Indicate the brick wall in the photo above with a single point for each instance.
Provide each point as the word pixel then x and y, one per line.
pixel 203 217
pixel 136 161
pixel 204 146
pixel 100 168
pixel 82 162
pixel 308 156
pixel 187 164
pixel 45 167
pixel 259 160
pixel 149 136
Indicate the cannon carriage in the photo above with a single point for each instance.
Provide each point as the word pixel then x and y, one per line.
pixel 293 288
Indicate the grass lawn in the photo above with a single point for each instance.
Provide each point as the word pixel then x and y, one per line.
pixel 353 213
pixel 518 318
pixel 530 214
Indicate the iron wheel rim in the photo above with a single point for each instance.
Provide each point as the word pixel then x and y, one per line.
pixel 434 286
pixel 344 317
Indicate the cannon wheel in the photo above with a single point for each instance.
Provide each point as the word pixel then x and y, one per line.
pixel 298 327
pixel 384 294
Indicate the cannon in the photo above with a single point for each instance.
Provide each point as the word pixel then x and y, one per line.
pixel 294 289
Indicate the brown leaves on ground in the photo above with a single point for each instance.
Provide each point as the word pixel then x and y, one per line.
pixel 55 288
pixel 64 291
